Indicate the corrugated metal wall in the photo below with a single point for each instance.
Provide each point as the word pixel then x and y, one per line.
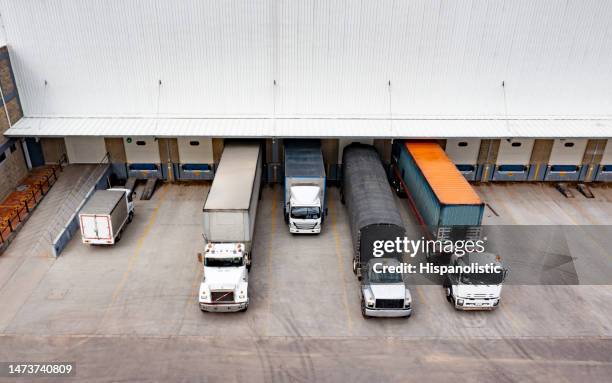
pixel 328 58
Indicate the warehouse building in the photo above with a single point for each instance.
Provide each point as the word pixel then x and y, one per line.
pixel 514 90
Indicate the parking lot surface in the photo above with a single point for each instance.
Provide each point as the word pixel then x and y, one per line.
pixel 119 310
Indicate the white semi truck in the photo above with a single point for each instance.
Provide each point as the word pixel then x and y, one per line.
pixel 228 224
pixel 477 291
pixel 104 217
pixel 304 198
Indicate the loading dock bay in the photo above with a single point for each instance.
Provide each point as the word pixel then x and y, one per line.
pixel 98 305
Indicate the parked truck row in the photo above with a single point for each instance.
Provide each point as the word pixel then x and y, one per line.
pixel 445 205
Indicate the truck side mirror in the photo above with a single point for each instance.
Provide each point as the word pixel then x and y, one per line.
pixel 200 257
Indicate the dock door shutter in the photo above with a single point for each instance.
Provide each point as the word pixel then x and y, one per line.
pixel 85 150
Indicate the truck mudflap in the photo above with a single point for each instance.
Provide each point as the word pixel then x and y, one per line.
pixel 224 307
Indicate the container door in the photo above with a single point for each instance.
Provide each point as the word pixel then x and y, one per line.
pixel 88 226
pixel 103 227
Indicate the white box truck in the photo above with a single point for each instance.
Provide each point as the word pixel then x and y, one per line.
pixel 228 224
pixel 304 199
pixel 104 216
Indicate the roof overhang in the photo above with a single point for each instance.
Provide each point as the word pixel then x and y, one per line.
pixel 314 127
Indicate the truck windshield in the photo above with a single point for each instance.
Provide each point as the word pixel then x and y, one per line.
pixel 384 277
pixel 223 262
pixel 482 278
pixel 305 212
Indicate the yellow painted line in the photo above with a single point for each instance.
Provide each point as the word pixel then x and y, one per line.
pixel 340 268
pixel 537 171
pixel 269 255
pixel 139 245
pixel 421 296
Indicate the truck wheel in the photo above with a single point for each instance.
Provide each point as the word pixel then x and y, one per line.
pixel 342 197
pixel 354 266
pixel 286 218
pixel 244 309
pixel 448 294
pixel 118 237
pixel 130 217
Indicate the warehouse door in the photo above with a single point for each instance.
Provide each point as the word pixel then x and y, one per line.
pixel 85 150
pixel 568 152
pixel 195 150
pixel 515 152
pixel 35 152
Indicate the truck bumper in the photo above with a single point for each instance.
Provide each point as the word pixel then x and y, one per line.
pixel 388 313
pixel 223 307
pixel 476 304
pixel 304 231
pixel 99 241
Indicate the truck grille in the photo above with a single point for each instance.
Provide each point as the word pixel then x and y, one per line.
pixel 480 296
pixel 222 296
pixel 305 226
pixel 389 303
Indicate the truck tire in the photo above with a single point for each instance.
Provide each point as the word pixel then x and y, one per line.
pixel 286 218
pixel 244 309
pixel 118 237
pixel 448 294
pixel 354 266
pixel 130 217
pixel 342 197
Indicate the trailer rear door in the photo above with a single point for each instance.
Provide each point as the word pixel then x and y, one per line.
pixel 96 227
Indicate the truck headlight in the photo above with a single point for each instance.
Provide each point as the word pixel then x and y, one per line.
pixel 407 302
pixel 460 302
pixel 370 302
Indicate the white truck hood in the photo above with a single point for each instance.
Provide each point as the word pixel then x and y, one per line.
pixel 223 278
pixel 478 291
pixel 302 195
pixel 391 291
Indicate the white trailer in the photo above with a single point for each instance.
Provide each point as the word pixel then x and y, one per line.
pixel 228 225
pixel 104 216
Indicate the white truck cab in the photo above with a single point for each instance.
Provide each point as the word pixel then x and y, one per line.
pixel 225 282
pixel 384 294
pixel 478 291
pixel 305 209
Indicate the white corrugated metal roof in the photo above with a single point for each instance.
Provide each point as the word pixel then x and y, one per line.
pixel 302 58
pixel 311 127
